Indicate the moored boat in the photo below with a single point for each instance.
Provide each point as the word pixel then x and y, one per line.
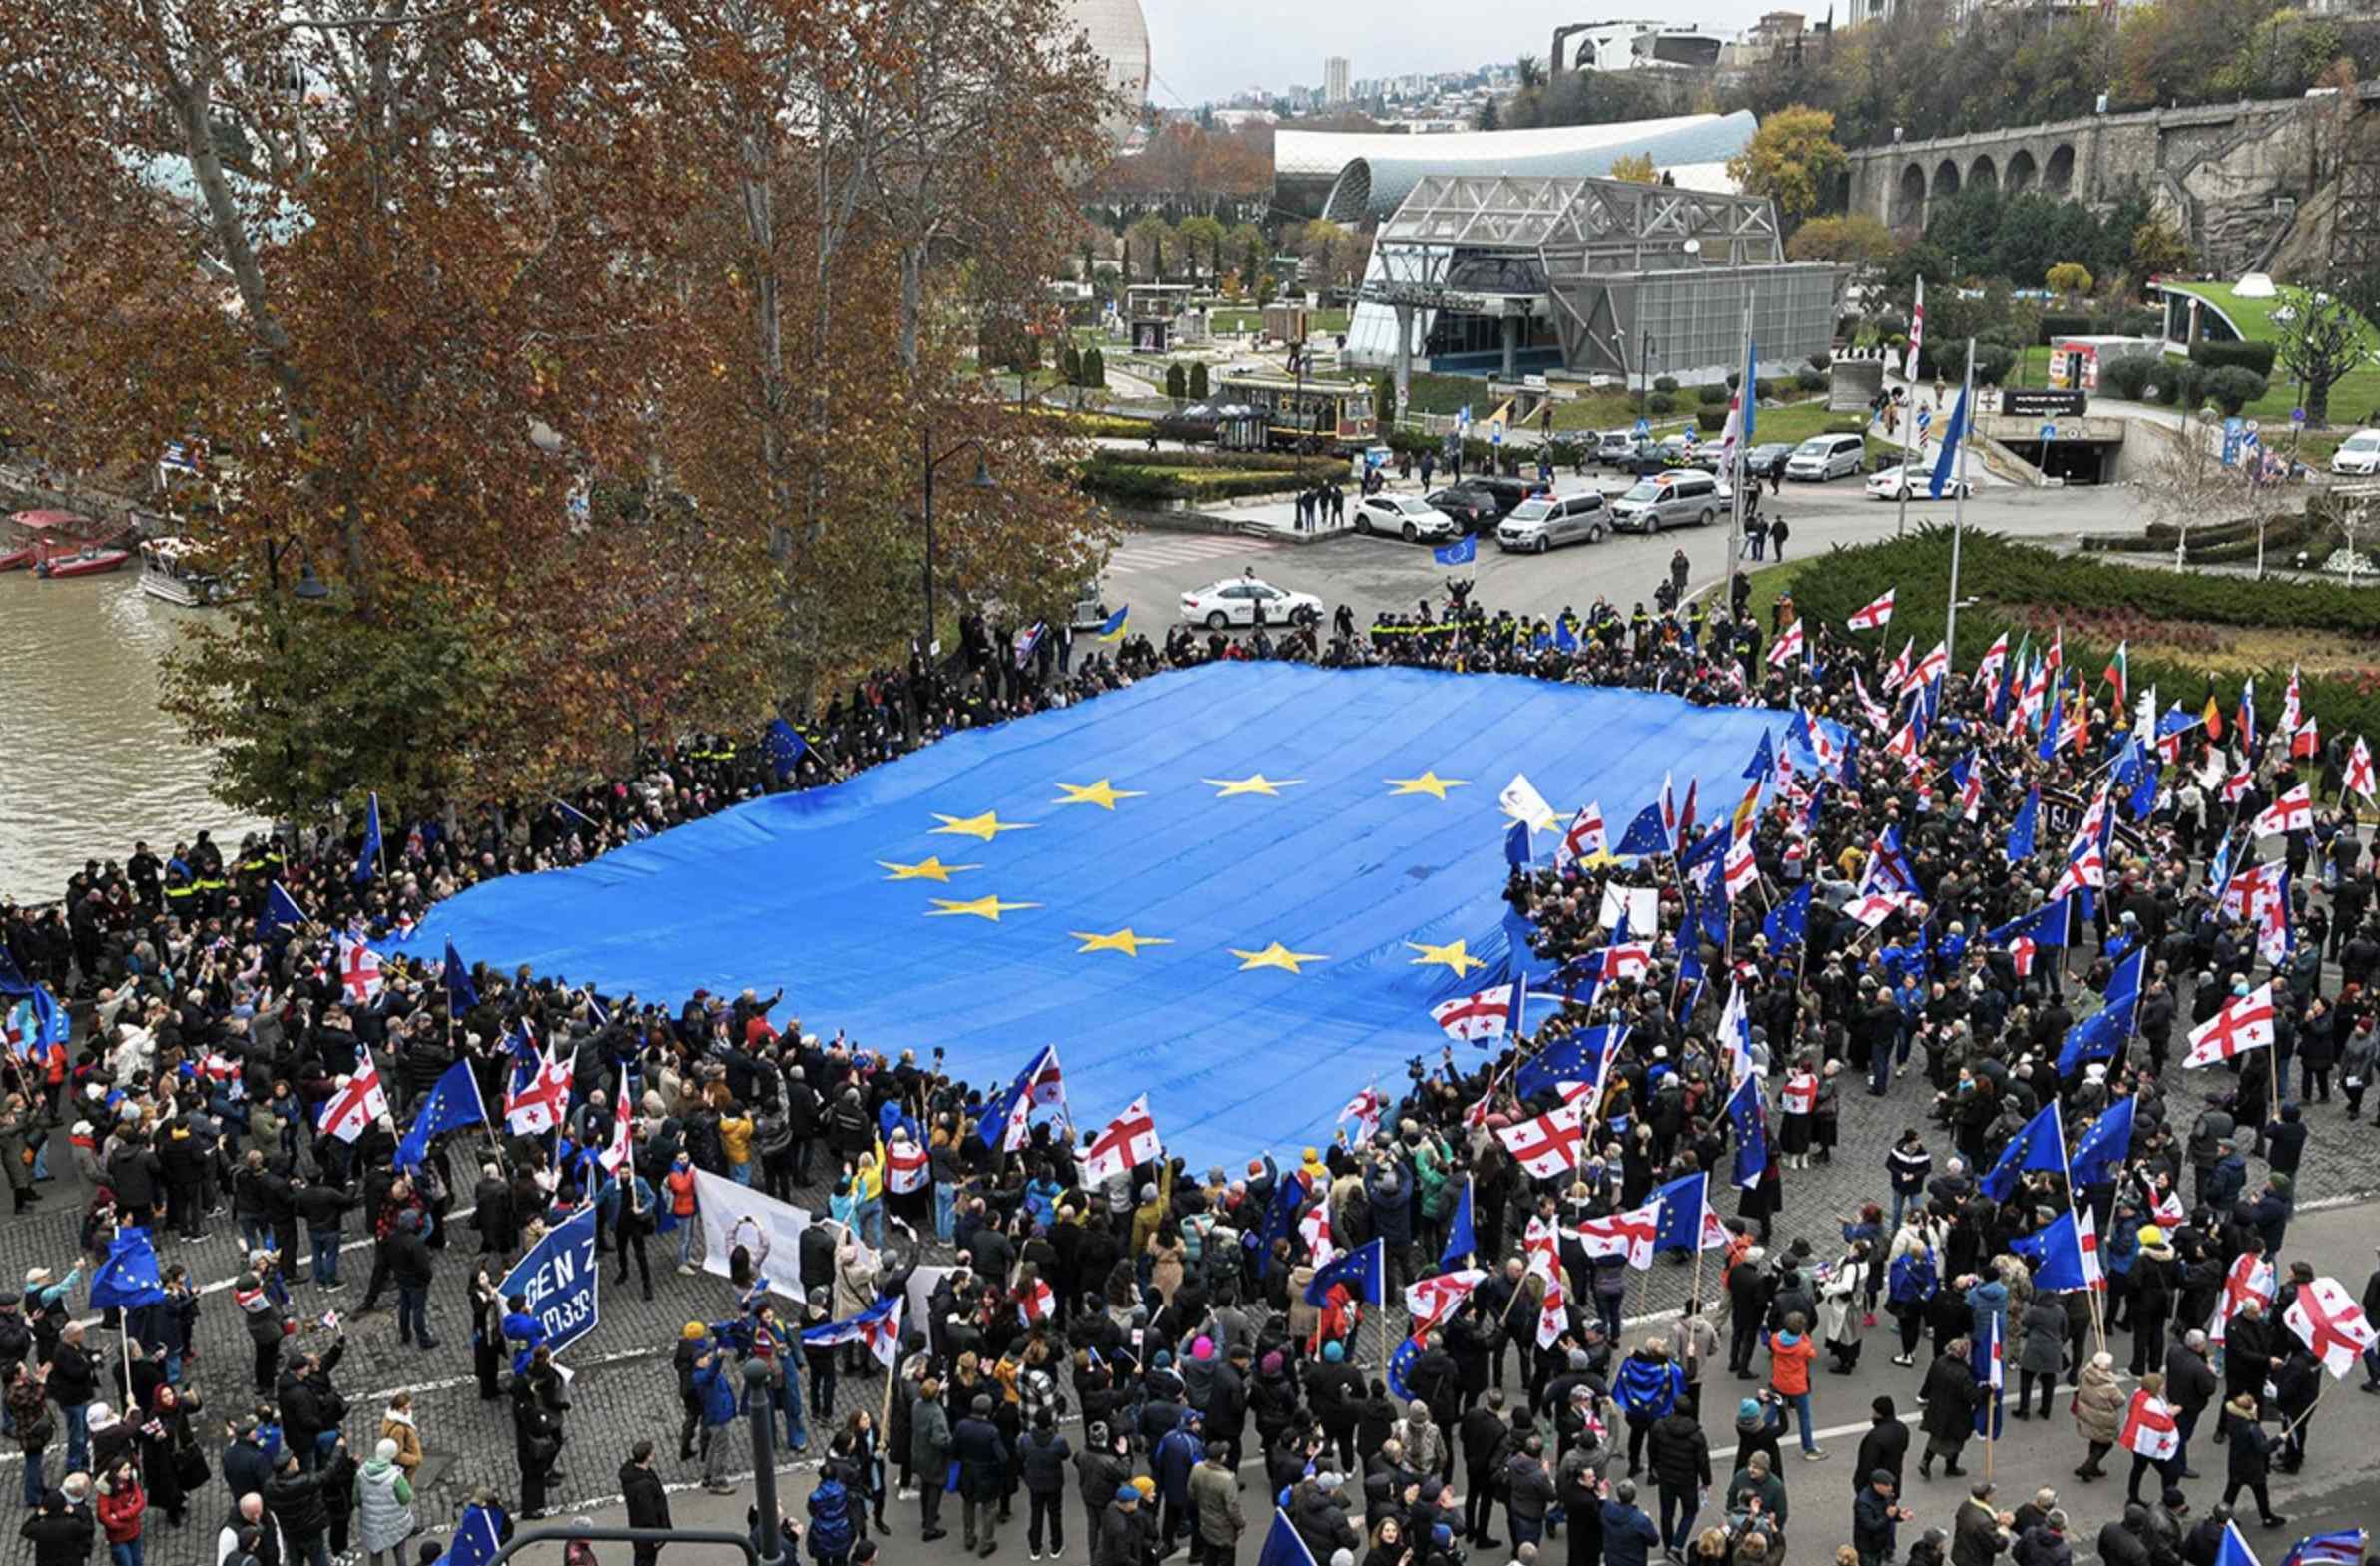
pixel 170 569
pixel 87 561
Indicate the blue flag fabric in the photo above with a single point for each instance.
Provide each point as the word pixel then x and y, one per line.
pixel 477 1538
pixel 367 861
pixel 1517 853
pixel 128 1278
pixel 1283 1548
pixel 2044 926
pixel 784 748
pixel 2103 1145
pixel 1683 1202
pixel 1461 552
pixel 461 993
pixel 1462 1239
pixel 2026 826
pixel 1788 922
pixel 2041 1144
pixel 1578 1058
pixel 1645 834
pixel 1363 1270
pixel 2105 1032
pixel 2048 749
pixel 1564 638
pixel 451 1102
pixel 1765 759
pixel 1281 1218
pixel 1945 465
pixel 2057 1252
pixel 280 912
pixel 1401 1363
pixel 557 1278
pixel 1747 1112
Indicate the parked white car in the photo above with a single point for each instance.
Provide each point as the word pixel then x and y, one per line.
pixel 1822 457
pixel 1403 515
pixel 2358 455
pixel 1233 603
pixel 1915 481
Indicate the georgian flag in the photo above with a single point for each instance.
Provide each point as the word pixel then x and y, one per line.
pixel 2237 784
pixel 1129 1141
pixel 1432 1300
pixel 2245 1024
pixel 614 1156
pixel 906 1166
pixel 359 971
pixel 1541 1243
pixel 1628 1234
pixel 537 1102
pixel 1553 1318
pixel 1549 1145
pixel 1583 838
pixel 1874 908
pixel 1469 1018
pixel 1930 667
pixel 2359 770
pixel 356 1102
pixel 1364 1110
pixel 2149 1428
pixel 1037 1303
pixel 2250 1277
pixel 1870 709
pixel 1315 1228
pixel 2328 1322
pixel 1875 615
pixel 2165 1206
pixel 1788 646
pixel 1896 678
pixel 2292 707
pixel 1628 960
pixel 2291 813
pixel 1994 658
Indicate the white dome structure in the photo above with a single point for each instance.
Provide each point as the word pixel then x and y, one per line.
pixel 1120 35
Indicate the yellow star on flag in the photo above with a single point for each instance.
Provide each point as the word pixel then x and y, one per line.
pixel 982 908
pixel 1255 783
pixel 986 827
pixel 1101 793
pixel 1453 954
pixel 1428 783
pixel 1276 956
pixel 931 868
pixel 1123 940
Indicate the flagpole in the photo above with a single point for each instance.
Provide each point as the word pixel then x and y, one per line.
pixel 1917 337
pixel 1747 397
pixel 1950 635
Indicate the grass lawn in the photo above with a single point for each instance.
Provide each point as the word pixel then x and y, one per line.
pixel 2350 399
pixel 1771 582
pixel 1330 321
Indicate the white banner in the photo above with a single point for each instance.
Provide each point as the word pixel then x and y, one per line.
pixel 1642 904
pixel 733 1214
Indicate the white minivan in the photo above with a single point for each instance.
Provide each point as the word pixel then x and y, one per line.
pixel 1822 457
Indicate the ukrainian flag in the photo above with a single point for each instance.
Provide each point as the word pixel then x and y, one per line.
pixel 1112 629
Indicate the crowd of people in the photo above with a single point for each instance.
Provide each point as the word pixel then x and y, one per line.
pixel 1143 1337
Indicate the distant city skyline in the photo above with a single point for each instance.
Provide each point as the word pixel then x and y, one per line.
pixel 1212 49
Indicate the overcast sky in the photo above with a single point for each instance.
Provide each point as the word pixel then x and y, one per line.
pixel 1202 50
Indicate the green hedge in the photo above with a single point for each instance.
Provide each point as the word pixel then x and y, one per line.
pixel 1710 421
pixel 2258 356
pixel 2004 573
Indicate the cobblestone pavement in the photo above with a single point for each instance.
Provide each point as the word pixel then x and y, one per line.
pixel 625 1388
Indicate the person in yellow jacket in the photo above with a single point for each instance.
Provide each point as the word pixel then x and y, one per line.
pixel 735 1142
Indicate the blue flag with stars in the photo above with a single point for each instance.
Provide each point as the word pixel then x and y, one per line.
pixel 784 748
pixel 1645 834
pixel 1282 1546
pixel 1789 921
pixel 1461 552
pixel 2058 1247
pixel 1518 852
pixel 1363 1270
pixel 461 995
pixel 128 1278
pixel 1461 1241
pixel 1280 1219
pixel 1765 759
pixel 1683 1204
pixel 2103 1145
pixel 2106 1031
pixel 2044 926
pixel 2025 827
pixel 1747 1112
pixel 2040 1146
pixel 451 1102
pixel 280 912
pixel 367 861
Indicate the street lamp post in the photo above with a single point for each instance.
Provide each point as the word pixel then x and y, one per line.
pixel 982 480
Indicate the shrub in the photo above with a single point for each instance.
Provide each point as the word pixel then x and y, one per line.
pixel 1822 362
pixel 2125 374
pixel 1993 361
pixel 1094 368
pixel 1198 382
pixel 1070 365
pixel 2235 386
pixel 1662 402
pixel 1710 421
pixel 1809 380
pixel 1765 391
pixel 1664 383
pixel 2064 326
pixel 1177 384
pixel 2258 356
pixel 1713 397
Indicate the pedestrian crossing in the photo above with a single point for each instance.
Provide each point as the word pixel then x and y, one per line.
pixel 1155 551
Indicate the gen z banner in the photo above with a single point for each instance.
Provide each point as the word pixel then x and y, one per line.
pixel 559 1281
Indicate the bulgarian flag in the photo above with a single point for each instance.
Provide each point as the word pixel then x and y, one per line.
pixel 2117 671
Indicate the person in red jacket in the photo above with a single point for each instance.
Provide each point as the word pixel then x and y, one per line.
pixel 1790 1353
pixel 120 1504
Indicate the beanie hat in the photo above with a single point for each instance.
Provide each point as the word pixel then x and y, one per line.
pixel 692 1331
pixel 1204 1349
pixel 1332 1353
pixel 1749 1408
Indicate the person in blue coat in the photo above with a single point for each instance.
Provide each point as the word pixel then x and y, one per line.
pixel 714 1381
pixel 1390 1189
pixel 1629 1536
pixel 1171 1464
pixel 1648 1388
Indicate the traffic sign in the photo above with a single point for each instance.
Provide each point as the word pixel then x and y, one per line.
pixel 2049 433
pixel 1644 427
pixel 2297 415
pixel 1495 432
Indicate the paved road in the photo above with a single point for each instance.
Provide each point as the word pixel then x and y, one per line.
pixel 1153 569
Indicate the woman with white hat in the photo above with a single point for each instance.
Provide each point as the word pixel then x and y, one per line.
pixel 385 1504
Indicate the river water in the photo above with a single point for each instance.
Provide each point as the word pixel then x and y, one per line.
pixel 88 764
